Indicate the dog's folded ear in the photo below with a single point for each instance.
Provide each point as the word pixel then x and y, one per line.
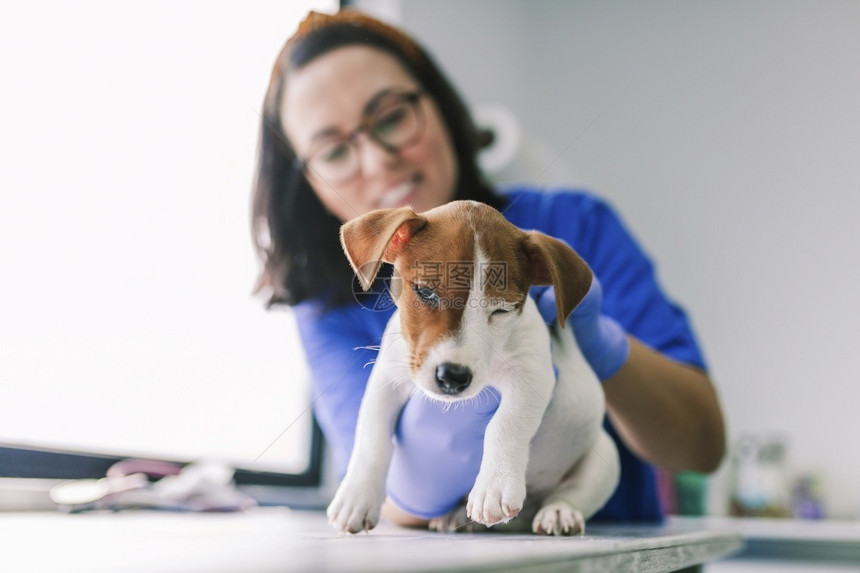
pixel 377 237
pixel 553 262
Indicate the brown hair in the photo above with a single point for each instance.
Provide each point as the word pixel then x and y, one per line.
pixel 295 236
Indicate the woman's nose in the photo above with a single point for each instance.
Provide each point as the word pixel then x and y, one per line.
pixel 374 158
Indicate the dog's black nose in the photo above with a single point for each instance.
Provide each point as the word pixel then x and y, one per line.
pixel 453 378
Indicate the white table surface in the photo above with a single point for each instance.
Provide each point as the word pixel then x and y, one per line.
pixel 278 539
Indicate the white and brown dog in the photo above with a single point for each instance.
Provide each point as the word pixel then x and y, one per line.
pixel 545 451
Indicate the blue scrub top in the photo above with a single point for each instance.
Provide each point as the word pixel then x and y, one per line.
pixel 339 343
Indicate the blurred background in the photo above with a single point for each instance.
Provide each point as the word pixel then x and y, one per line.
pixel 726 134
pixel 127 325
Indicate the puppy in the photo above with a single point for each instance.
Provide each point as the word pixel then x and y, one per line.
pixel 545 451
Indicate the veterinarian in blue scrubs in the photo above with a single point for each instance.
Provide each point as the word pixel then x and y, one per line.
pixel 358 117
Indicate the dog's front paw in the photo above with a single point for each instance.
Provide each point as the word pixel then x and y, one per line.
pixel 355 507
pixel 558 518
pixel 495 500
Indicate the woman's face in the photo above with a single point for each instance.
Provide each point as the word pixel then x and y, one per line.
pixel 329 98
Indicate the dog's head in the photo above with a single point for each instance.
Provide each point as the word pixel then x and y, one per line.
pixel 463 273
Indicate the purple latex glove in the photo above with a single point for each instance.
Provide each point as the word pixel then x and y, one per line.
pixel 602 340
pixel 437 452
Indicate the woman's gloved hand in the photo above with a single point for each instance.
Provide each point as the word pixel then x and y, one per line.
pixel 602 340
pixel 437 453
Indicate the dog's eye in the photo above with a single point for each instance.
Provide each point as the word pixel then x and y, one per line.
pixel 504 311
pixel 426 295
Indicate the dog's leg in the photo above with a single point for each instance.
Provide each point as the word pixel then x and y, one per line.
pixel 500 487
pixel 585 490
pixel 358 501
pixel 525 379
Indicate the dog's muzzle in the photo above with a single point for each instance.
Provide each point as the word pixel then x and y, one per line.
pixel 453 378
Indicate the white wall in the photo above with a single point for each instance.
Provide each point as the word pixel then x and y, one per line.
pixel 728 136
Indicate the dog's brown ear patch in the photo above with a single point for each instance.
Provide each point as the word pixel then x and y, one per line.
pixel 377 237
pixel 553 262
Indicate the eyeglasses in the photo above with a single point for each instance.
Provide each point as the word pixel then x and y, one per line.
pixel 395 123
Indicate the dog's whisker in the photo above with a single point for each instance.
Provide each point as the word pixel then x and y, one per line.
pixel 305 411
pixel 368 347
pixel 400 380
pixel 414 390
pixel 464 525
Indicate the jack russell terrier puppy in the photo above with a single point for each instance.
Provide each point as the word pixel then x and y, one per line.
pixel 545 453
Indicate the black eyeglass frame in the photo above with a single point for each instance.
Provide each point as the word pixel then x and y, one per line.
pixel 412 98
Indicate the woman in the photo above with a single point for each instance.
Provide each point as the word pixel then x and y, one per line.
pixel 358 117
